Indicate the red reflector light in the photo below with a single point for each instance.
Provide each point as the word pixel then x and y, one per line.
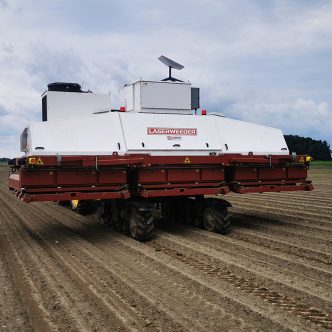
pixel 203 112
pixel 122 109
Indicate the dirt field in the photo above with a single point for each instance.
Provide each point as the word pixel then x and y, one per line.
pixel 272 272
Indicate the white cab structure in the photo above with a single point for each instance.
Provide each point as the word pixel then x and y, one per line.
pixel 60 105
pixel 157 97
pixel 157 119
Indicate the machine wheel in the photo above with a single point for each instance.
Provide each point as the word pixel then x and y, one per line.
pixel 81 207
pixel 141 224
pixel 216 219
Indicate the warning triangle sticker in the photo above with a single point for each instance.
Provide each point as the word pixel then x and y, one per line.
pixel 187 160
pixel 39 162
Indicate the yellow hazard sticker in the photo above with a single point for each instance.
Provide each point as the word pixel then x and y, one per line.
pixel 301 160
pixel 32 160
pixel 39 162
pixel 35 161
pixel 187 160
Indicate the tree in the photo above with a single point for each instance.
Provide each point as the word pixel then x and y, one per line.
pixel 319 150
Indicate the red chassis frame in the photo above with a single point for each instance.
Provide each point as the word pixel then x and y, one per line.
pixel 56 178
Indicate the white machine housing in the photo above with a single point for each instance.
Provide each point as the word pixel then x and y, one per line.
pixel 157 97
pixel 154 134
pixel 158 121
pixel 61 105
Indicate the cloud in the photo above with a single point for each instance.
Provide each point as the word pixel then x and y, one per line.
pixel 302 117
pixel 3 4
pixel 268 62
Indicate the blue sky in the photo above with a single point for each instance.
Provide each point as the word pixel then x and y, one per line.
pixel 268 62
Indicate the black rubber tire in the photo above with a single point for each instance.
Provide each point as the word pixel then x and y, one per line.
pixel 216 219
pixel 141 224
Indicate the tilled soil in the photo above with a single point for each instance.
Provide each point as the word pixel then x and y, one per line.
pixel 271 272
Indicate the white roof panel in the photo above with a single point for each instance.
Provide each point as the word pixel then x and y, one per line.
pixel 155 134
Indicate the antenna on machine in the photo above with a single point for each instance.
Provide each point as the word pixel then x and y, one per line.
pixel 170 64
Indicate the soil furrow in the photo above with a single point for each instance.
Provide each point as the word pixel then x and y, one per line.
pixel 264 272
pixel 89 286
pixel 272 271
pixel 268 218
pixel 284 302
pixel 113 255
pixel 278 200
pixel 61 296
pixel 251 252
pixel 288 210
pixel 297 249
pixel 285 231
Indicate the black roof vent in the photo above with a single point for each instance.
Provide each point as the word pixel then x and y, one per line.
pixel 65 87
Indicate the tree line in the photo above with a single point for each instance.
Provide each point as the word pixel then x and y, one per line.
pixel 318 150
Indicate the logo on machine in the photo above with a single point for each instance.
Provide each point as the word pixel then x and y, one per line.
pixel 172 131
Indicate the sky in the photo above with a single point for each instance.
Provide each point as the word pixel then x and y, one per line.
pixel 268 62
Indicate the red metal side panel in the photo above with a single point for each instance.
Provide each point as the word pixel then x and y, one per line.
pixel 184 192
pixel 297 173
pixel 215 174
pixel 245 173
pixel 28 198
pixel 112 176
pixel 152 176
pixel 180 175
pixel 37 178
pixel 76 177
pixel 272 173
pixel 306 186
pixel 183 175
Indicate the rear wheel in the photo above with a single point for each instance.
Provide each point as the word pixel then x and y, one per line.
pixel 133 218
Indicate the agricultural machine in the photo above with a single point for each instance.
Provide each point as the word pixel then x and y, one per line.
pixel 158 150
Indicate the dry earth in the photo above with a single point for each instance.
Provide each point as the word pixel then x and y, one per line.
pixel 273 271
